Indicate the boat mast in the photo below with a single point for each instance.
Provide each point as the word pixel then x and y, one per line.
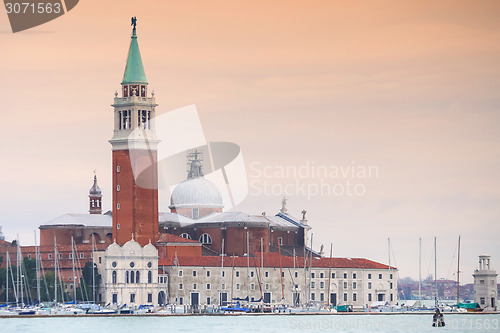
pixel 435 273
pixel 232 280
pixel 248 269
pixel 329 275
pixel 20 272
pixel 37 258
pixel 262 271
pixel 55 270
pixel 458 271
pixel 222 275
pixel 7 280
pixel 281 273
pixel 419 271
pixel 73 261
pixel 93 271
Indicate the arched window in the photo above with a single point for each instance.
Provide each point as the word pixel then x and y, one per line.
pixel 206 239
pixel 137 280
pixel 150 277
pixel 185 235
pixel 126 277
pixel 280 240
pixel 114 277
pixel 132 277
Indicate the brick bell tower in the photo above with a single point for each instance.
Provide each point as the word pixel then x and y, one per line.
pixel 134 145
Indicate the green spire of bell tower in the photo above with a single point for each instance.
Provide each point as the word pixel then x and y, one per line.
pixel 134 70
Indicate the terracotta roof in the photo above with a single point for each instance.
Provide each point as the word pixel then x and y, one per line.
pixel 273 260
pixel 169 238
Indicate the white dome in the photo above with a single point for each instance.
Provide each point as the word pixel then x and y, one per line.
pixel 196 193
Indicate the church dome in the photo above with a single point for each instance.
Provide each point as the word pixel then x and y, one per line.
pixel 196 191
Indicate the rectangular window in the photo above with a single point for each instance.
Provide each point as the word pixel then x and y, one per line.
pixel 50 255
pixel 321 297
pixel 354 296
pixel 223 273
pixel 321 275
pixel 345 275
pixel 369 297
pixel 194 286
pixel 321 284
pixel 150 298
pixel 208 300
pixel 132 298
pixel 70 256
pixel 82 255
pixel 282 274
pixel 390 285
pixel 313 296
pixel 237 286
pixel 194 273
pixel 312 285
pixel 354 285
pixel 60 256
pixel 181 300
pixel 312 275
pixel 115 298
pixel 333 275
pixel 369 285
pixel 181 286
pixel 345 285
pixel 267 286
pixel 180 273
pixel 380 276
pixel 482 301
pixel 390 276
pixel 391 297
pixel 29 256
pixel 223 286
pixel 208 286
pixel 369 276
pixel 267 274
pixel 237 274
pixel 252 286
pixel 100 258
pixel 208 273
pixel 353 275
pixel 296 274
pixel 345 297
pixel 251 274
pixel 481 281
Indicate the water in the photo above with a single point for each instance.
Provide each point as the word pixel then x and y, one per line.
pixel 400 323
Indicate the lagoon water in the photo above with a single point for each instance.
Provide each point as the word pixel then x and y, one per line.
pixel 397 323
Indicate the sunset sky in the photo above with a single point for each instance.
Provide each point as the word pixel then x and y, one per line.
pixel 412 88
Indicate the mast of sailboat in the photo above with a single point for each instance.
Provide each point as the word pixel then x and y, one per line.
pixel 232 280
pixel 310 269
pixel 55 270
pixel 458 271
pixel 261 271
pixel 248 269
pixel 7 280
pixel 281 273
pixel 329 274
pixel 73 261
pixel 419 270
pixel 93 270
pixel 435 273
pixel 222 275
pixel 37 258
pixel 20 272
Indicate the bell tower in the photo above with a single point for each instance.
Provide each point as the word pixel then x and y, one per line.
pixel 134 145
pixel 95 198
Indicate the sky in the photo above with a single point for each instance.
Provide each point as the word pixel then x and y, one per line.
pixel 407 88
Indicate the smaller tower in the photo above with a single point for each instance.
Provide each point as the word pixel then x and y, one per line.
pixel 485 284
pixel 95 198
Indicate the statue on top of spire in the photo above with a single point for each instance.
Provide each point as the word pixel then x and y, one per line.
pixel 134 21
